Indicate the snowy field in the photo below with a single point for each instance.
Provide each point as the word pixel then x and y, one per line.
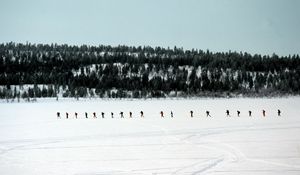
pixel 34 141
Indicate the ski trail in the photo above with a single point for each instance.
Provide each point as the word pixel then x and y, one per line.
pixel 200 166
pixel 245 158
pixel 232 153
pixel 209 166
pixel 21 147
pixel 204 166
pixel 273 163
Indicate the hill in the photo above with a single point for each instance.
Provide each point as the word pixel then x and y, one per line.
pixel 42 70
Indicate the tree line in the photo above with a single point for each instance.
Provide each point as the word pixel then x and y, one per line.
pixel 138 72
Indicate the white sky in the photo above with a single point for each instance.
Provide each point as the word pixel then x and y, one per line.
pixel 254 26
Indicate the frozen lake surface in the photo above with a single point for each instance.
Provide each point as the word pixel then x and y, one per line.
pixel 34 141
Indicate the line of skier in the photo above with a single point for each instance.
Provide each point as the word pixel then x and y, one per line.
pixel 94 115
pixel 250 113
pixel 161 114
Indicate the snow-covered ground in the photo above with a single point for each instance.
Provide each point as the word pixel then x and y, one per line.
pixel 34 141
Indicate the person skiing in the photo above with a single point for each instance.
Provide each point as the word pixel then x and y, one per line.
pixel 238 113
pixel 172 114
pixel 121 113
pixel 192 113
pixel 112 115
pixel 102 114
pixel 207 114
pixel 130 114
pixel 161 114
pixel 278 112
pixel 142 114
pixel 227 113
pixel 67 115
pixel 76 115
pixel 250 113
pixel 86 115
pixel 264 113
pixel 94 115
pixel 58 114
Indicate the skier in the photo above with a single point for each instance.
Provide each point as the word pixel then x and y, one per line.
pixel 58 115
pixel 161 114
pixel 207 114
pixel 94 114
pixel 76 115
pixel 250 113
pixel 112 115
pixel 102 114
pixel 121 113
pixel 238 113
pixel 227 113
pixel 142 114
pixel 278 112
pixel 130 114
pixel 192 113
pixel 172 114
pixel 86 115
pixel 264 113
pixel 67 115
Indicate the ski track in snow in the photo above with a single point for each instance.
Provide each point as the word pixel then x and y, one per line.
pixel 233 153
pixel 230 152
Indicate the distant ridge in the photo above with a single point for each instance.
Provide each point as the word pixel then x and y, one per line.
pixel 43 70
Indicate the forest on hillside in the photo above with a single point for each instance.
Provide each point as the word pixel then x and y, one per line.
pixel 43 70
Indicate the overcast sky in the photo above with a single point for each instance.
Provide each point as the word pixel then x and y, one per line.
pixel 254 26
